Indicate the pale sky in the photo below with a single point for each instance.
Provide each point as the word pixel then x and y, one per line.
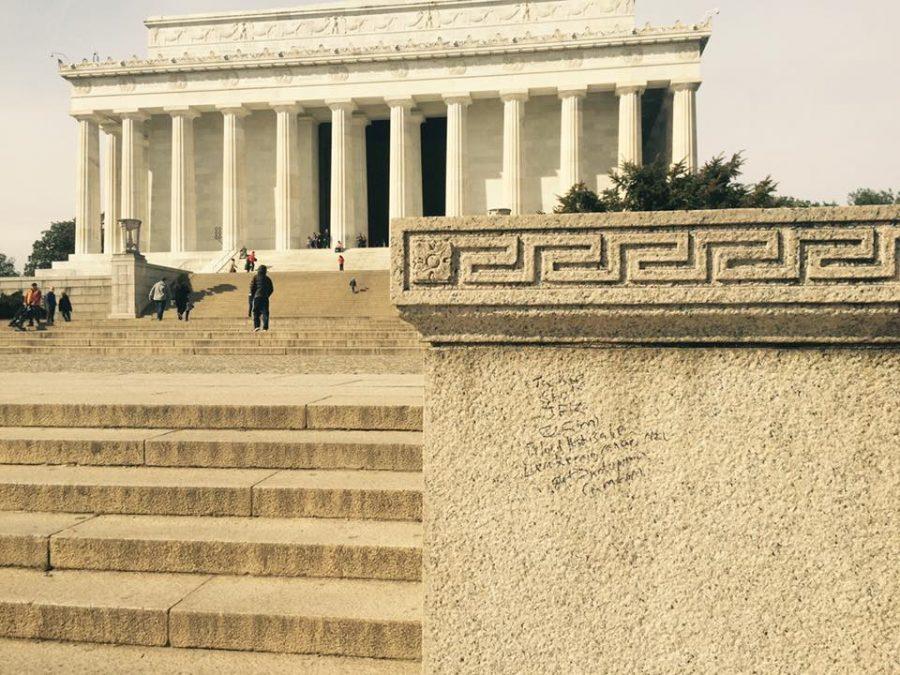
pixel 807 88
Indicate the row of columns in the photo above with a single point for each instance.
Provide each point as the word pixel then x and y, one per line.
pixel 295 200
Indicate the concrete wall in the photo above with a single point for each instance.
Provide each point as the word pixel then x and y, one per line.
pixel 659 442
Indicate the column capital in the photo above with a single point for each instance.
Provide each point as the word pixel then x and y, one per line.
pixel 572 92
pixel 416 116
pixel 236 110
pixel 684 85
pixel 521 95
pixel 461 99
pixel 133 114
pixel 341 104
pixel 631 88
pixel 88 117
pixel 184 111
pixel 402 102
pixel 111 127
pixel 287 107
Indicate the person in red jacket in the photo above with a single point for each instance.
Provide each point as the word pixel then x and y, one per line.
pixel 341 263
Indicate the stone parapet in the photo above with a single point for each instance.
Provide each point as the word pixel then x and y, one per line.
pixel 132 279
pixel 643 450
pixel 781 275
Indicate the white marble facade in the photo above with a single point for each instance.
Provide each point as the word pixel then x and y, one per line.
pixel 213 139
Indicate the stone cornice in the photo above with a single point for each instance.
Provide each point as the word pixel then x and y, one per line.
pixel 768 276
pixel 409 50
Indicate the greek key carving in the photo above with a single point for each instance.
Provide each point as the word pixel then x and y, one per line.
pixel 643 256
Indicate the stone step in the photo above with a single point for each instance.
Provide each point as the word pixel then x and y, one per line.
pixel 79 658
pixel 210 351
pixel 340 617
pixel 294 547
pixel 337 412
pixel 247 342
pixel 377 495
pixel 205 448
pixel 25 537
pixel 224 333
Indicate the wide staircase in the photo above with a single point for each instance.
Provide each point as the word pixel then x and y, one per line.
pixel 286 528
pixel 312 313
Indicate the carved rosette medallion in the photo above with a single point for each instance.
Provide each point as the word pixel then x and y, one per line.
pixel 512 64
pixel 178 81
pixel 431 261
pixel 400 71
pixel 82 87
pixel 575 59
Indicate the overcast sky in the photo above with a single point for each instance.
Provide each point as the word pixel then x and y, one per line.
pixel 807 88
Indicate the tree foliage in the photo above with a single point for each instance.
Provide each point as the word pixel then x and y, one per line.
pixel 870 197
pixel 7 266
pixel 660 187
pixel 57 243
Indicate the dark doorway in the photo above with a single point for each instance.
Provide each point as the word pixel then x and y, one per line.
pixel 325 177
pixel 434 166
pixel 378 165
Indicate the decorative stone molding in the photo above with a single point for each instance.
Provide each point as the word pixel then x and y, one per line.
pixel 780 275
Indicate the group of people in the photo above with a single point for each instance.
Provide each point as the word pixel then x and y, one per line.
pixel 179 294
pixel 37 307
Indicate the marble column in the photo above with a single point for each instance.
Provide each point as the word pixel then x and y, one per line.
pixel 570 138
pixel 631 147
pixel 307 181
pixel 233 177
pixel 287 175
pixel 134 167
pixel 513 155
pixel 684 124
pixel 112 188
pixel 457 155
pixel 183 217
pixel 361 180
pixel 87 187
pixel 401 109
pixel 342 169
pixel 414 164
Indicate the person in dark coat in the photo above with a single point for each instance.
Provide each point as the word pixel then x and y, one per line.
pixel 261 289
pixel 182 295
pixel 65 307
pixel 50 306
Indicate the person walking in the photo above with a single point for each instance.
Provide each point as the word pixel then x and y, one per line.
pixel 261 289
pixel 233 268
pixel 50 304
pixel 159 295
pixel 353 286
pixel 65 307
pixel 341 263
pixel 33 301
pixel 251 261
pixel 182 295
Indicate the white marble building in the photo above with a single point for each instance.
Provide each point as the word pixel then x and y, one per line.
pixel 262 128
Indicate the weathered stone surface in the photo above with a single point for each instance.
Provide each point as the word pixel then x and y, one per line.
pixel 90 606
pixel 258 546
pixel 378 619
pixel 373 450
pixel 121 447
pixel 366 412
pixel 33 658
pixel 147 490
pixel 376 495
pixel 25 537
pixel 807 275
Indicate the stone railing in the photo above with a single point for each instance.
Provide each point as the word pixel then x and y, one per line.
pixel 719 276
pixel 643 451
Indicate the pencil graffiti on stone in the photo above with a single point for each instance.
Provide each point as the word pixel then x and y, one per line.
pixel 574 450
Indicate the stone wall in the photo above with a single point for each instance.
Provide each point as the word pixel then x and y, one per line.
pixel 659 442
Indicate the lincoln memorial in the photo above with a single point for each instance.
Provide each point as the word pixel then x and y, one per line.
pixel 263 129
